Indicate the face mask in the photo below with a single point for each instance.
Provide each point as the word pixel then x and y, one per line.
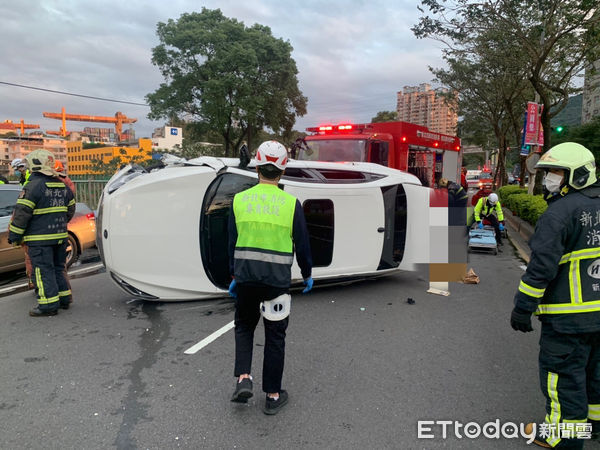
pixel 552 182
pixel 18 173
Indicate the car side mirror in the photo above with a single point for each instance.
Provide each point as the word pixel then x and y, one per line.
pixel 244 156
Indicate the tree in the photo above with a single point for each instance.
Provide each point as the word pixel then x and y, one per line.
pixel 233 79
pixel 385 116
pixel 558 37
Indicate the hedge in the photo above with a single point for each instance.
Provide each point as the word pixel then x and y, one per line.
pixel 506 191
pixel 527 207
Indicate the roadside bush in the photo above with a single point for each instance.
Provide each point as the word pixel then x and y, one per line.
pixel 506 191
pixel 527 207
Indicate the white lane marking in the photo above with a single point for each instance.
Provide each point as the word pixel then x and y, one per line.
pixel 207 340
pixel 85 269
pixel 523 267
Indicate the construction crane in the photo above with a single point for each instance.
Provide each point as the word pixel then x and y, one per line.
pixel 118 120
pixel 10 125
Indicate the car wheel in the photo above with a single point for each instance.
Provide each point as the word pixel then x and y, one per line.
pixel 72 250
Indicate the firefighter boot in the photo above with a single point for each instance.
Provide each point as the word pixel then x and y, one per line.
pixel 37 312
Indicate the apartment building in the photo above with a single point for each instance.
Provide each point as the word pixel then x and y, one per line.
pixel 591 93
pixel 423 105
pixel 20 147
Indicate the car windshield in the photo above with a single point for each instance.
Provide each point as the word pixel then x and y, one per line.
pixel 334 150
pixel 485 176
pixel 8 200
pixel 472 177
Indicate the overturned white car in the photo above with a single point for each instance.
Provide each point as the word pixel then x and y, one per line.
pixel 162 234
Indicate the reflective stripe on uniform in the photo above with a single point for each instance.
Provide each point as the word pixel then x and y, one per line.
pixel 16 229
pixel 43 300
pixel 55 209
pixel 575 282
pixel 530 290
pixel 45 237
pixel 554 406
pixel 265 257
pixel 594 412
pixel 64 293
pixel 23 201
pixel 580 254
pixel 71 203
pixel 57 184
pixel 568 308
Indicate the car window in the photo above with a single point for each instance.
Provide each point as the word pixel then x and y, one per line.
pixel 8 201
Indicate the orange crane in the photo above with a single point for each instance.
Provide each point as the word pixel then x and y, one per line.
pixel 118 120
pixel 10 125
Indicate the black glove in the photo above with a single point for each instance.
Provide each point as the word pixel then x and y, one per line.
pixel 520 320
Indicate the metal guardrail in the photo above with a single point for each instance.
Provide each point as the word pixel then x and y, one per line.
pixel 89 191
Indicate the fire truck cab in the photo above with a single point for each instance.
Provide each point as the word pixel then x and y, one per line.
pixel 400 145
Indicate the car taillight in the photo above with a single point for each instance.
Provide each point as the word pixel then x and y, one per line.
pixel 90 216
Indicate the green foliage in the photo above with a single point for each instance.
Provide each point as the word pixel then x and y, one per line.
pixel 527 207
pixel 234 79
pixel 385 116
pixel 587 135
pixel 506 191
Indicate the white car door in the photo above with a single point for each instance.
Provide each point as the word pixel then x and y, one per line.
pixel 358 225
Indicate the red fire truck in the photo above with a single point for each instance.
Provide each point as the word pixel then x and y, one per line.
pixel 401 145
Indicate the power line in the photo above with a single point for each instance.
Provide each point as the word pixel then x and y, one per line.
pixel 72 94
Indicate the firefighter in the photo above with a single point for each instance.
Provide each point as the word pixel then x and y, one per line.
pixel 266 224
pixel 463 179
pixel 457 202
pixel 561 286
pixel 485 209
pixel 43 210
pixel 62 175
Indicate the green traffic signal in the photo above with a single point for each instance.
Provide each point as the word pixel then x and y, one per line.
pixel 559 129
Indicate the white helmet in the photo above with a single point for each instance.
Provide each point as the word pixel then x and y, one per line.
pixel 276 309
pixel 493 199
pixel 272 152
pixel 17 162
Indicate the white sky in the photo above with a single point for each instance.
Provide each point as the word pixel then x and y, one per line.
pixel 352 56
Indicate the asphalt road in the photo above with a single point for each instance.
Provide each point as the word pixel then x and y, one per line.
pixel 362 368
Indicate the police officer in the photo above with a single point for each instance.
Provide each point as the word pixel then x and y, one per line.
pixel 20 170
pixel 562 287
pixel 485 208
pixel 266 224
pixel 43 209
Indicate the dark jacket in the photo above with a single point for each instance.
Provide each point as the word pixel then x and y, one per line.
pixel 43 210
pixel 562 281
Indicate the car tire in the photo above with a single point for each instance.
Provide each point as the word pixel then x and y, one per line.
pixel 72 250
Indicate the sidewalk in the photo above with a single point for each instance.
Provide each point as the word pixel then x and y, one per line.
pixel 519 233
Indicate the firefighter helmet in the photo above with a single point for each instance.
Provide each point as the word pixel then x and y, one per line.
pixel 277 308
pixel 443 182
pixel 272 152
pixel 577 160
pixel 493 199
pixel 41 161
pixel 58 166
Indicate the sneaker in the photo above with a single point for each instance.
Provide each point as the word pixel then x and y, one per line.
pixel 243 391
pixel 273 406
pixel 537 441
pixel 37 312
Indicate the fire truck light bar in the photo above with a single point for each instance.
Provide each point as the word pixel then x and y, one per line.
pixel 326 128
pixel 344 127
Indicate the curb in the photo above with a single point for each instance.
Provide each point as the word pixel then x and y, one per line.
pixel 520 235
pixel 96 268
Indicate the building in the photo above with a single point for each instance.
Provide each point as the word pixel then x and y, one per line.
pixel 166 138
pixel 81 160
pixel 422 105
pixel 20 147
pixel 591 94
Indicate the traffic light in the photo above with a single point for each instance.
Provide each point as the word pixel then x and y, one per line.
pixel 559 129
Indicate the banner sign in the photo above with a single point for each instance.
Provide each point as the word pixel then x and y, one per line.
pixel 532 130
pixel 524 148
